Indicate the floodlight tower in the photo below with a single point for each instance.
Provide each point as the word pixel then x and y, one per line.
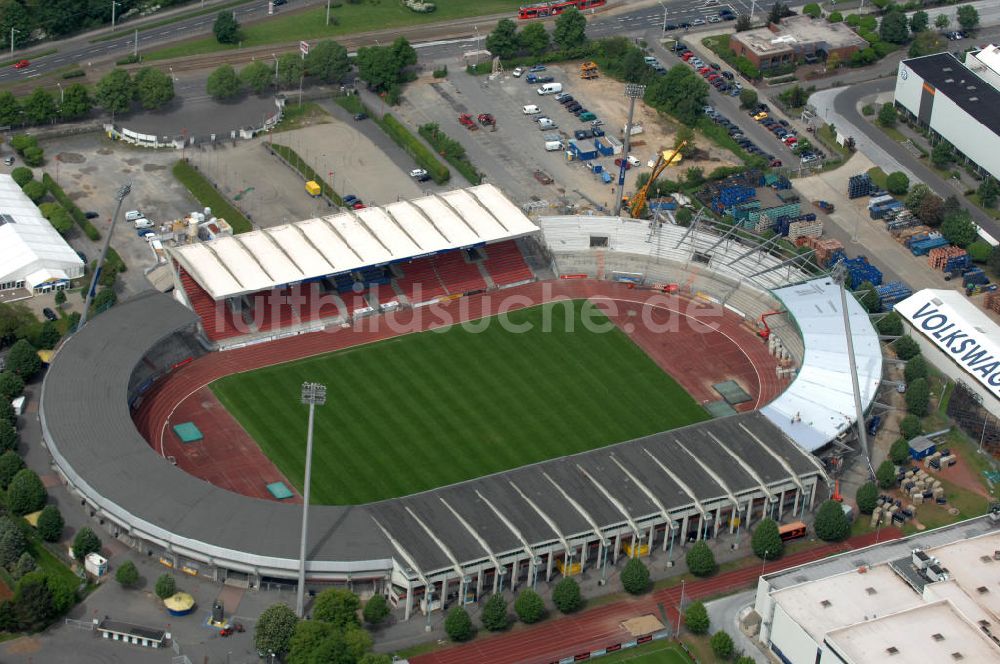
pixel 633 91
pixel 313 394
pixel 123 191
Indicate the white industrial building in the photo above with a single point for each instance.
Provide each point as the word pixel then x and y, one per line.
pixel 930 597
pixel 958 339
pixel 958 103
pixel 33 256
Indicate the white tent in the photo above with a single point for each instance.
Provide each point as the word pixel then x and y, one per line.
pixel 32 254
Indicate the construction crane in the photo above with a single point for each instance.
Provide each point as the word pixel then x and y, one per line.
pixel 635 205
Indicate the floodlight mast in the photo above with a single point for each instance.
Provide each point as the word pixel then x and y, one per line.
pixel 633 91
pixel 313 394
pixel 123 191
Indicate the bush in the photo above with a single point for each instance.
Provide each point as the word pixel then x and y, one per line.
pixel 458 624
pixel 74 73
pixel 701 560
pixel 34 190
pixel 376 610
pixel 886 474
pixel 722 645
pixel 85 542
pixel 165 586
pixel 413 147
pixel 899 451
pixel 442 72
pixel 22 142
pixel 910 428
pixel 26 493
pixel 9 438
pixel 918 395
pixel 337 606
pixel 897 183
pixel 766 541
pixel 831 524
pixel 868 109
pixel 127 575
pixel 867 497
pixel 50 524
pixel 529 606
pixel 566 595
pixel 887 116
pixel 74 211
pixel 915 368
pixel 34 157
pixel 696 618
pixel 890 325
pixel 979 251
pixel 11 386
pixel 451 150
pixel 906 348
pixel 835 17
pixel 22 176
pixel 10 465
pixel 494 614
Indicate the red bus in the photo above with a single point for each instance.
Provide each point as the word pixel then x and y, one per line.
pixel 791 531
pixel 543 9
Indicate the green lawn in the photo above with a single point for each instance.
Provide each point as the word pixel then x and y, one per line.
pixel 288 26
pixel 203 191
pixel 660 652
pixel 425 410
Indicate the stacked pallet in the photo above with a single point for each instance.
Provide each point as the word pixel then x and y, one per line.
pixel 903 235
pixel 764 223
pixel 823 249
pixel 940 257
pixel 993 302
pixel 798 229
pixel 892 293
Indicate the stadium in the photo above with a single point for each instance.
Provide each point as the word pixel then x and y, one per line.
pixel 457 462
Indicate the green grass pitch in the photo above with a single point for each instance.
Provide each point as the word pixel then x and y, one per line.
pixel 659 652
pixel 425 410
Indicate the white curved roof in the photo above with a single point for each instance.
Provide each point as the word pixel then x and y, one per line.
pixel 347 241
pixel 819 404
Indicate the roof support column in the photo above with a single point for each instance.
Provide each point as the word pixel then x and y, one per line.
pixel 409 600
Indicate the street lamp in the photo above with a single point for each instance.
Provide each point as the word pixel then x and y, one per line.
pixel 674 527
pixel 428 596
pixel 12 31
pixel 502 572
pixel 708 520
pixel 62 96
pixel 664 15
pixel 605 544
pixel 114 4
pixel 763 562
pixel 633 91
pixel 535 563
pixel 313 394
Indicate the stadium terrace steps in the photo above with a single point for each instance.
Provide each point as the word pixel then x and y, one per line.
pixel 380 295
pixel 506 264
pixel 457 274
pixel 203 305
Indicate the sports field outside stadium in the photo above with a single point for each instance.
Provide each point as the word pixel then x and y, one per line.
pixel 429 409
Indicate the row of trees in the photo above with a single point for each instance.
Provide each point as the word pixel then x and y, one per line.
pixel 507 42
pixel 327 61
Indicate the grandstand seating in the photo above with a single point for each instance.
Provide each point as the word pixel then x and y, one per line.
pixel 506 264
pixel 458 275
pixel 381 294
pixel 420 282
pixel 206 308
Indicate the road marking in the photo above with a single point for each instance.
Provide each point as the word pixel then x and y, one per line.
pixel 34 75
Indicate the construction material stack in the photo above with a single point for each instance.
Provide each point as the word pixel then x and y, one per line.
pixel 805 228
pixel 993 301
pixel 921 246
pixel 823 249
pixel 948 259
pixel 880 207
pixel 859 270
pixel 859 185
pixel 892 293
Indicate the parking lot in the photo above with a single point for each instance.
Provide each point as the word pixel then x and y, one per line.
pixel 510 155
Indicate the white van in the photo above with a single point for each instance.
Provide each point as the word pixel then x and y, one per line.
pixel 132 215
pixel 530 109
pixel 142 222
pixel 552 146
pixel 550 88
pixel 547 123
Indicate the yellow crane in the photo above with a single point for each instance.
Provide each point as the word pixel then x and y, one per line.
pixel 639 200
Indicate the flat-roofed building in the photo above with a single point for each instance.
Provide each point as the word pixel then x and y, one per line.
pixel 795 39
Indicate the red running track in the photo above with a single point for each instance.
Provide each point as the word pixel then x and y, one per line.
pixel 697 343
pixel 601 627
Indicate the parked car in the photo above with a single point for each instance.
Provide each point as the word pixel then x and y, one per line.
pixel 349 199
pixel 537 68
pixel 142 222
pixel 597 131
pixel 760 116
pixel 517 72
pixel 618 163
pixel 561 96
pixel 358 117
pixel 573 107
pixel 420 175
pixel 583 134
pixel 91 215
pixel 587 116
pixel 698 21
pixel 132 215
pixel 728 75
pixel 714 19
pixel 49 314
pixel 9 160
pixel 544 79
pixel 670 26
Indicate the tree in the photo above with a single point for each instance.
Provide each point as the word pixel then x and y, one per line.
pixel 910 427
pixel 897 183
pixel 570 29
pixel 328 61
pixel 10 465
pixel 887 115
pixel 942 154
pixel 696 618
pixel 7 413
pixel 635 68
pixel 8 441
pixel 967 17
pixel 34 157
pixel 375 658
pixel 22 359
pixel 76 102
pixel 919 21
pixel 115 91
pixel 566 595
pixel 22 142
pixel 25 565
pixel 223 83
pixel 941 21
pixel 290 69
pixel 11 385
pixel 312 640
pixel 748 98
pixel 778 11
pixel 153 88
pixel 226 28
pixel 529 606
pixel 833 61
pixel 39 107
pixel 866 497
pixel 127 575
pixel 831 523
pixel 376 610
pixel 722 645
pixel 683 217
pixel 10 109
pixel 906 348
pixel 458 624
pixel 766 541
pixel 494 615
pixel 50 334
pixel 918 394
pixel 22 175
pixel 34 190
pixel 503 42
pixel 886 474
pixel 988 192
pixel 890 325
pixel 166 586
pixel 12 541
pixel 33 602
pixel 338 607
pixel 274 630
pixel 701 560
pixel 105 299
pixel 813 10
pixel 899 451
pixel 959 229
pixel 834 17
pixel 680 92
pixel 745 659
pixel 916 195
pixel 742 23
pixel 931 210
pixel 915 368
pixel 925 43
pixel 26 493
pixel 867 296
pixel 257 76
pixel 993 262
pixel 795 96
pixel 86 542
pixel 50 523
pixel 403 53
pixel 635 577
pixel 534 38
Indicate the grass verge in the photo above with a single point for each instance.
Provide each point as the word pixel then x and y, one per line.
pixel 32 56
pixel 290 26
pixel 878 176
pixel 306 171
pixel 206 194
pixel 451 150
pixel 402 137
pixel 302 115
pixel 437 406
pixel 215 9
pixel 75 212
pixel 829 139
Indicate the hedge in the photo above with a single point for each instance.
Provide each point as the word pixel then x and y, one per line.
pixel 206 194
pixel 451 150
pixel 306 171
pixel 75 212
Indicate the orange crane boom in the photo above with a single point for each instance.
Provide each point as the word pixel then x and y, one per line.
pixel 635 205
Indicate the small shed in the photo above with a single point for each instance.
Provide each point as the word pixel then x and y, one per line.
pixel 921 447
pixel 148 637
